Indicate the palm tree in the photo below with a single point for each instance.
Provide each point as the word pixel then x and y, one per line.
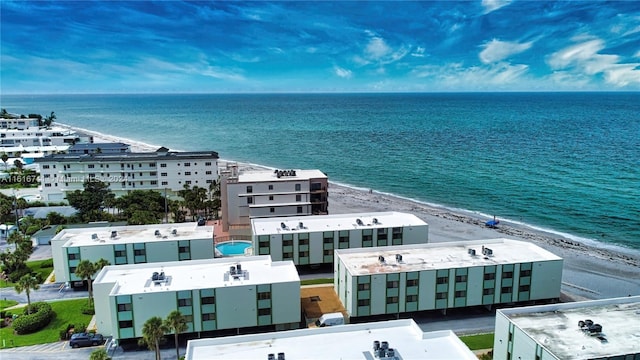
pixel 27 283
pixel 176 323
pixel 101 263
pixel 153 331
pixel 49 119
pixel 19 165
pixel 85 270
pixel 4 158
pixel 99 354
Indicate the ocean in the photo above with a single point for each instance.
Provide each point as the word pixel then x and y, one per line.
pixel 568 163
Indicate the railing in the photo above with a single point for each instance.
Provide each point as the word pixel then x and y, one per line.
pixel 220 239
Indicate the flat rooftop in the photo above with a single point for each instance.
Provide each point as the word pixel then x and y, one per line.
pixel 334 222
pixel 133 234
pixel 257 176
pixel 354 341
pixel 556 327
pixel 447 255
pixel 196 274
pixel 131 156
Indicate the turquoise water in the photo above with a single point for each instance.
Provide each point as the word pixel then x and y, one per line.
pixel 565 162
pixel 233 248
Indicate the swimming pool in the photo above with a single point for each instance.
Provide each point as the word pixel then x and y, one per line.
pixel 233 248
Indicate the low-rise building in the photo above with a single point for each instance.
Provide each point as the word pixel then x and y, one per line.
pixel 587 330
pixel 136 244
pixel 247 195
pixel 162 170
pixel 398 279
pixel 309 240
pixel 213 295
pixel 396 339
pixel 99 148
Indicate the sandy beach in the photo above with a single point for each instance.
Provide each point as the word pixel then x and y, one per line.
pixel 590 272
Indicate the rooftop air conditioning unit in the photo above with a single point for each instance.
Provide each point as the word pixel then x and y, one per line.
pixel 381 259
pixel 94 236
pixel 398 258
pixel 157 233
pixel 359 222
pixel 114 234
pixel 375 221
pixel 174 232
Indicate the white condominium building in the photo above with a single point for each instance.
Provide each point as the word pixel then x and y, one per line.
pixel 213 295
pixel 311 240
pixel 398 279
pixel 250 195
pixel 607 329
pixel 384 340
pixel 162 170
pixel 133 244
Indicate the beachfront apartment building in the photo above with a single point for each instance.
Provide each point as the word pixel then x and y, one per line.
pixel 253 194
pixel 132 244
pixel 440 276
pixel 213 295
pixel 162 170
pixel 311 240
pixel 396 339
pixel 42 136
pixel 606 329
pixel 104 148
pixel 17 122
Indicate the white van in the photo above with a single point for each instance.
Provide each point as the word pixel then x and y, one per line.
pixel 331 319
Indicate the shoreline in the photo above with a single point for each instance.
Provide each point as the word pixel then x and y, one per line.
pixel 592 270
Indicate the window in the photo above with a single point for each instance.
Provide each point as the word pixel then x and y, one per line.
pixel 125 324
pixel 490 276
pixel 270 197
pixel 208 300
pixel 524 288
pixel 524 273
pixel 506 290
pixel 299 209
pixel 287 255
pixel 262 312
pixel 91 166
pixel 207 163
pixel 392 299
pixel 72 269
pixel 183 249
pixel 507 275
pixel 163 165
pixel 188 182
pixel 442 280
pixel 364 302
pixel 264 295
pixel 298 187
pixel 366 286
pixel 125 307
pixel 272 210
pixel 187 173
pixel 163 174
pixel 184 302
pixel 461 278
pixel 139 252
pixel 412 298
pixel 154 182
pixel 287 242
pixel 367 235
pixel 187 164
pixel 441 295
pixel 392 284
pixel 327 237
pixel 303 254
pixel 153 173
pixel 298 198
pixel 250 200
pixel 270 187
pixel 45 166
pixel 73 256
pixel 461 293
pixel 303 241
pixel 328 252
pixel 206 317
pixel 249 189
pixel 488 291
pixel 413 282
pixel 152 164
pixel 165 183
pixel 208 172
pixel 120 253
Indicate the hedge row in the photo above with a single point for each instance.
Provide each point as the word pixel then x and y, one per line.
pixel 41 317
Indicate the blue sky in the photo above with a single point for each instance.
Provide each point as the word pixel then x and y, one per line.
pixel 237 47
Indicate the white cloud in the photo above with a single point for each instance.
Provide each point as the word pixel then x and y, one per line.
pixel 497 50
pixel 377 48
pixel 492 77
pixel 493 5
pixel 342 72
pixel 585 58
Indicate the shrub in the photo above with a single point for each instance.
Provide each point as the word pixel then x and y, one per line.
pixel 88 309
pixel 47 263
pixel 28 323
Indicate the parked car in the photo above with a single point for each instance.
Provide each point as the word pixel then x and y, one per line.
pixel 85 339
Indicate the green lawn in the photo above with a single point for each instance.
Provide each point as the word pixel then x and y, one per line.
pixel 37 267
pixel 478 342
pixel 67 312
pixel 7 303
pixel 316 281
